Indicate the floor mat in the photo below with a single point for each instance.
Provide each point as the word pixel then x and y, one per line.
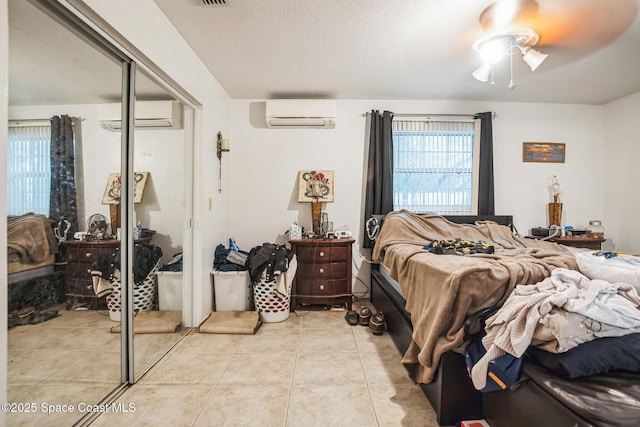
pixel 231 322
pixel 154 322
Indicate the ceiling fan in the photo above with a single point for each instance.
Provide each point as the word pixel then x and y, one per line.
pixel 571 27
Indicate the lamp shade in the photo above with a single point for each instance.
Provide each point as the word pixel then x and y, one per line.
pixel 315 186
pixel 482 73
pixel 533 58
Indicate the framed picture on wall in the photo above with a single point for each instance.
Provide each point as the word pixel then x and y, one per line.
pixel 545 152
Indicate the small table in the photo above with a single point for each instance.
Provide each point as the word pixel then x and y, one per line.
pixel 579 242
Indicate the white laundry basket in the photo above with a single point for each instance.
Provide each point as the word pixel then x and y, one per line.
pixel 169 290
pixel 232 290
pixel 144 293
pixel 271 306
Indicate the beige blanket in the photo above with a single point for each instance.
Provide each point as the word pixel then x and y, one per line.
pixel 30 242
pixel 442 290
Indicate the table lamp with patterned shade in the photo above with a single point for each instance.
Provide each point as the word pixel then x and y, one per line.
pixel 111 195
pixel 315 187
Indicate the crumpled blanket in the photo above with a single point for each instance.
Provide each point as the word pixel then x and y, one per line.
pixel 511 329
pixel 441 291
pixel 30 242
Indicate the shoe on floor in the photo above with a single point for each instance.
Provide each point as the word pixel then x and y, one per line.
pixel 352 317
pixel 377 323
pixel 364 316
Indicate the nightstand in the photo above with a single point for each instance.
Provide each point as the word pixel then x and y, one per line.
pixel 81 254
pixel 323 275
pixel 579 242
pixel 576 242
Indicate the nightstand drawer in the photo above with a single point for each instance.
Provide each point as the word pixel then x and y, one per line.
pixel 78 271
pixel 321 288
pixel 323 253
pixel 82 254
pixel 322 270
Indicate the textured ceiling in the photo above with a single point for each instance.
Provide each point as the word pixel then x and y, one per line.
pixel 408 49
pixel 347 49
pixel 50 65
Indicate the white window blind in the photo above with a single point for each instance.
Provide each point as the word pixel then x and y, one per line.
pixel 433 164
pixel 28 169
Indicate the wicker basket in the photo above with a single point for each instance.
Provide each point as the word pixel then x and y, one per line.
pixel 144 293
pixel 270 305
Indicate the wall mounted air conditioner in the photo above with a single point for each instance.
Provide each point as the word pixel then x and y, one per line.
pixel 149 115
pixel 301 113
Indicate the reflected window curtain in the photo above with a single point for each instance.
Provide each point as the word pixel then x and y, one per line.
pixel 379 189
pixel 63 176
pixel 486 204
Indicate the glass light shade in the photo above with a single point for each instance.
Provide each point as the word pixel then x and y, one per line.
pixel 533 58
pixel 482 73
pixel 493 51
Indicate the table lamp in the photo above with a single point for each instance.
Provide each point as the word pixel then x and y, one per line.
pixel 111 195
pixel 315 187
pixel 555 207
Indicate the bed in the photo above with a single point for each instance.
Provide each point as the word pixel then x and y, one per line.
pixel 435 303
pixel 33 281
pixel 31 244
pixel 427 298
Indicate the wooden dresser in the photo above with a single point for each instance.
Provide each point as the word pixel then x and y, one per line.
pixel 324 272
pixel 80 255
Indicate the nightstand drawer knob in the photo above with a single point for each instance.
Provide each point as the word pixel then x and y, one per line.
pixel 87 255
pixel 89 271
pixel 322 287
pixel 321 253
pixel 321 270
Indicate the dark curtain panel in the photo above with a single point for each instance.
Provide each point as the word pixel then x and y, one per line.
pixel 486 205
pixel 379 191
pixel 63 175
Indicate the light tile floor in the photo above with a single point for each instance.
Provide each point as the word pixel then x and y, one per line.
pixel 313 369
pixel 70 360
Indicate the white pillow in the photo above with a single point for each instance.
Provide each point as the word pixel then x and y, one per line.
pixel 617 269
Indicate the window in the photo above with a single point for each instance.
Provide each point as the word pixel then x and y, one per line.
pixel 434 166
pixel 28 170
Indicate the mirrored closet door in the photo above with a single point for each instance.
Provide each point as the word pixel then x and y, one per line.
pixel 160 212
pixel 69 342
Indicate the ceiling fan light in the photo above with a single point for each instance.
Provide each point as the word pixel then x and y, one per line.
pixel 533 58
pixel 492 51
pixel 482 73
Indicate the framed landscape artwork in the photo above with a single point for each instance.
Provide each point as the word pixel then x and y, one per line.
pixel 546 152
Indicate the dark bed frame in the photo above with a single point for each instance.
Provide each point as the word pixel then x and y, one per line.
pixel 451 393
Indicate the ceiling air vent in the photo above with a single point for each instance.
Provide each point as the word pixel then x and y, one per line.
pixel 216 2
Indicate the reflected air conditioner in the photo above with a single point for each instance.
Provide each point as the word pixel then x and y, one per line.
pixel 149 115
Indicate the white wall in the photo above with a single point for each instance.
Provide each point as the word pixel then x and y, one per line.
pixel 156 151
pixel 145 26
pixel 622 173
pixel 4 101
pixel 266 161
